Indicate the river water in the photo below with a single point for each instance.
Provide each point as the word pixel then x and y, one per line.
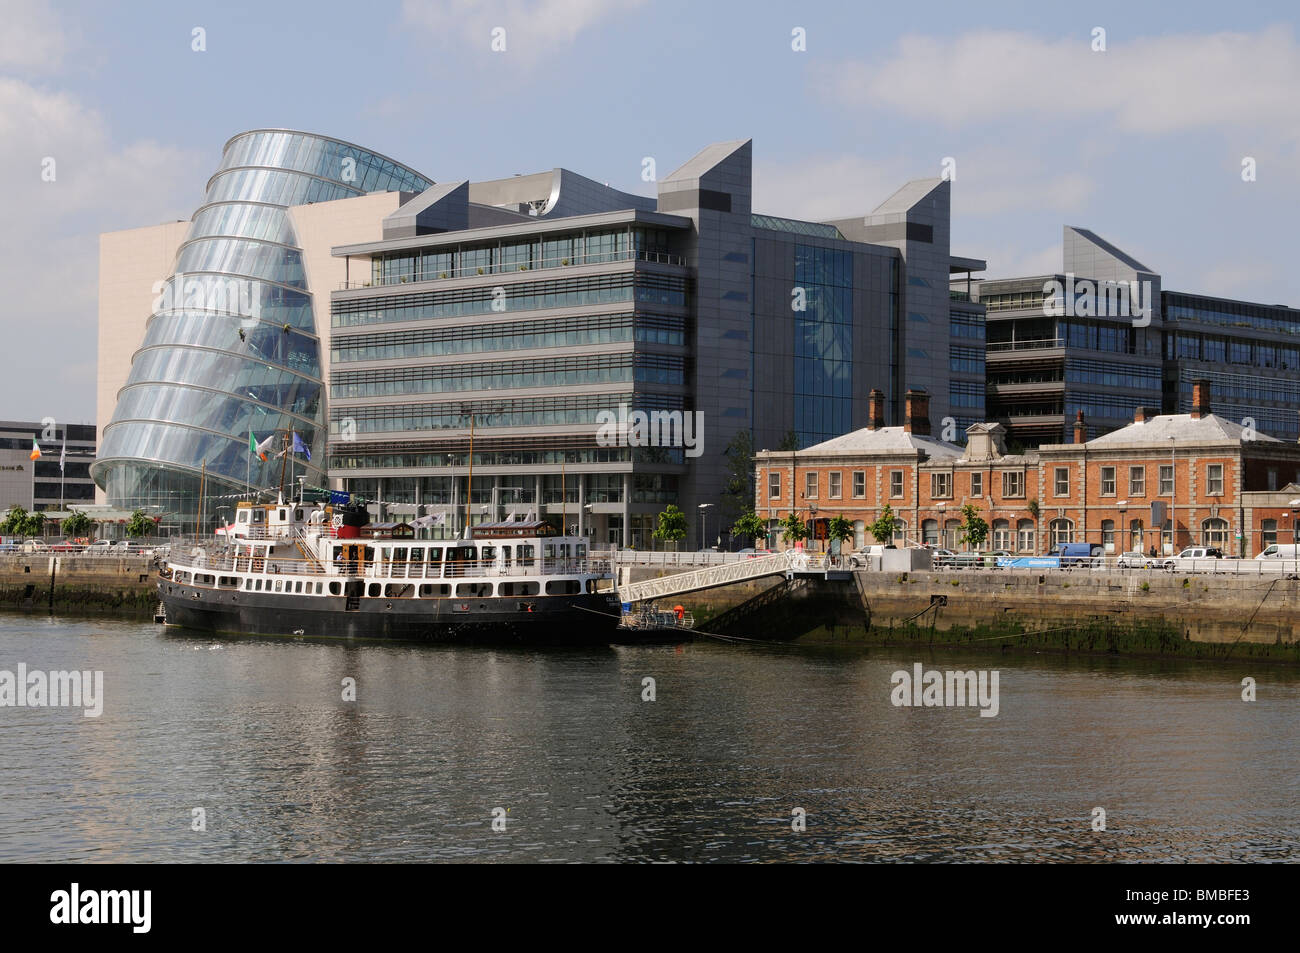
pixel 562 746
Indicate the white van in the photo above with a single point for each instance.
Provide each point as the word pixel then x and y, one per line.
pixel 1281 551
pixel 862 558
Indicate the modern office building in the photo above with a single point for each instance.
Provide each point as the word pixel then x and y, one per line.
pixel 536 315
pixel 41 484
pixel 1103 337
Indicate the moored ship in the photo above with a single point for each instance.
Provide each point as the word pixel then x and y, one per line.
pixel 323 571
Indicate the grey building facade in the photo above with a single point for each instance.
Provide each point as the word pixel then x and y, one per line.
pixel 40 484
pixel 1103 337
pixel 531 310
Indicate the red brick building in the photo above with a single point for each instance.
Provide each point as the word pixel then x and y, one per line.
pixel 1168 480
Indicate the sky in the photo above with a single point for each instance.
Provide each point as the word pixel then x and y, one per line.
pixel 1143 141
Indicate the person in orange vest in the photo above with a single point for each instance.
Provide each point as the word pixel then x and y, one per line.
pixel 680 612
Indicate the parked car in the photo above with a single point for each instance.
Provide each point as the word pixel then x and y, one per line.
pixel 1188 558
pixel 1280 551
pixel 862 557
pixel 1135 560
pixel 942 558
pixel 751 553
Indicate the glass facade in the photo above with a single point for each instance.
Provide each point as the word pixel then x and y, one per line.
pixel 823 344
pixel 231 347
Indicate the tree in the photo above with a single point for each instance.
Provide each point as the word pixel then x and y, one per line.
pixel 672 525
pixel 839 529
pixel 14 522
pixel 974 528
pixel 139 525
pixel 793 528
pixel 750 524
pixel 789 442
pixel 77 524
pixel 34 524
pixel 738 491
pixel 886 526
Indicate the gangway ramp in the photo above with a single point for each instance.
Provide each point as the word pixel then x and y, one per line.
pixel 792 562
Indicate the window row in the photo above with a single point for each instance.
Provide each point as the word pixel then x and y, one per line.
pixel 641 287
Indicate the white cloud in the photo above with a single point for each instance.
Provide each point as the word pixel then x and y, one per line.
pixel 1145 85
pixel 533 27
pixel 826 187
pixel 31 36
pixel 49 245
pixel 990 181
pixel 1237 279
pixel 1016 261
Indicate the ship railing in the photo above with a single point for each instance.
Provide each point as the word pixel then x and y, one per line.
pixel 244 563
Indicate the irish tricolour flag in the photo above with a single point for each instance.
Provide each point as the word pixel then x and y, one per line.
pixel 36 450
pixel 256 449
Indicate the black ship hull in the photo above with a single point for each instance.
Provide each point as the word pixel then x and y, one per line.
pixel 586 619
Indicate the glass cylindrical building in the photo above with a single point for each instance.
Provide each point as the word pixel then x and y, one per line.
pixel 231 348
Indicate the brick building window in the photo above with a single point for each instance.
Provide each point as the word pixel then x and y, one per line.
pixel 774 484
pixel 1013 483
pixel 834 488
pixel 1061 481
pixel 1137 481
pixel 1062 531
pixel 1214 532
pixel 1025 536
pixel 1002 534
pixel 1108 535
pixel 1268 532
pixel 1214 479
pixel 1167 479
pixel 810 486
pixel 859 484
pixel 1107 481
pixel 941 485
pixel 896 484
pixel 977 486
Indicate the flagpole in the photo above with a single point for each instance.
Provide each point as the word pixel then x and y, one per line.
pixel 62 455
pixel 248 466
pixel 199 515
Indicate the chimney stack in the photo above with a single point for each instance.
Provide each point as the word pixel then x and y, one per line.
pixel 1140 415
pixel 876 409
pixel 917 413
pixel 1080 429
pixel 1200 399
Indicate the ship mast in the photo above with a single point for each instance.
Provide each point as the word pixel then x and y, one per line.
pixel 469 489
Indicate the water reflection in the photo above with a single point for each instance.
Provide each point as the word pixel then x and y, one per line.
pixel 257 733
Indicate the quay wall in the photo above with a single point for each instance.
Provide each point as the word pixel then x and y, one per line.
pixel 121 585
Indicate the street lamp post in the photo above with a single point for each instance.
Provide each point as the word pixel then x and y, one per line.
pixel 812 516
pixel 704 523
pixel 1123 527
pixel 1295 535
